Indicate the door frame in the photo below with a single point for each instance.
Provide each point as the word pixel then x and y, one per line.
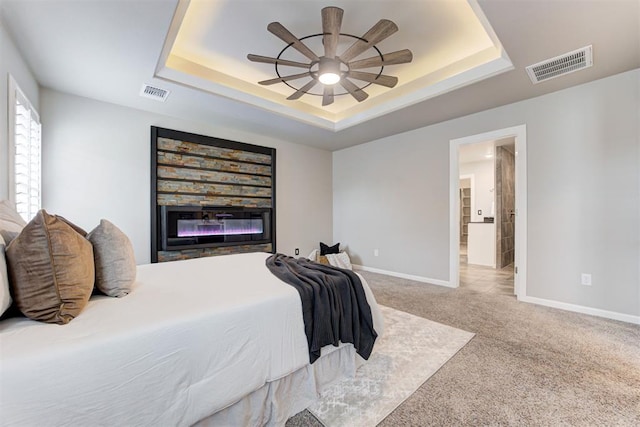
pixel 519 133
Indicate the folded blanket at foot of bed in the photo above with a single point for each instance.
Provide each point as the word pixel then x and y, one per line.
pixel 334 304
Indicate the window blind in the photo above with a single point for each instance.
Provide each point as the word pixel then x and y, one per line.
pixel 26 147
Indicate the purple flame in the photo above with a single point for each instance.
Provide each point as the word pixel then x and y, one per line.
pixel 226 227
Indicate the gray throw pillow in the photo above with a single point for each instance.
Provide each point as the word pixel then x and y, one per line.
pixel 8 236
pixel 114 259
pixel 5 293
pixel 10 220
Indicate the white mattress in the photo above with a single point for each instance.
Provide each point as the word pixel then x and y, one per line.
pixel 192 337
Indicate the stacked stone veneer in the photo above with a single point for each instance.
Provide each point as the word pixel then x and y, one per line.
pixel 194 174
pixel 505 205
pixel 204 252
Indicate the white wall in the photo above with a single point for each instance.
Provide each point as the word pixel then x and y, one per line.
pixel 583 194
pixel 96 164
pixel 11 62
pixel 484 182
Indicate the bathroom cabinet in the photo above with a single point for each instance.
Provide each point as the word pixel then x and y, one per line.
pixel 481 244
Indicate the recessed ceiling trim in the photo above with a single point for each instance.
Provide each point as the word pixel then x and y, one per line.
pixel 488 29
pixel 231 87
pixel 172 33
pixel 199 82
pixel 453 77
pixel 455 80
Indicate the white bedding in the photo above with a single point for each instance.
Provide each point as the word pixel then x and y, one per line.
pixel 193 337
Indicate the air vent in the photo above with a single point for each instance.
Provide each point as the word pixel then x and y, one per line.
pixel 561 65
pixel 153 92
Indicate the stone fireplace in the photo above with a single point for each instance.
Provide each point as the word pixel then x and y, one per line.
pixel 210 196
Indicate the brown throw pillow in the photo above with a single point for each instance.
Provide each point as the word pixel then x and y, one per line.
pixel 114 259
pixel 322 259
pixel 51 270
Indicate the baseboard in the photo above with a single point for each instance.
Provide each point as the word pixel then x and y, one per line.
pixel 404 276
pixel 582 309
pixel 628 318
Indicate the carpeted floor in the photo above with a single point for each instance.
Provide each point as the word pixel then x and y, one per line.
pixel 527 365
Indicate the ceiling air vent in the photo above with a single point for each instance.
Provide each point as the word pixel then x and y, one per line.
pixel 561 65
pixel 153 92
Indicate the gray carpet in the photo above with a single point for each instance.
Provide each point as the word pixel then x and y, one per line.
pixel 527 365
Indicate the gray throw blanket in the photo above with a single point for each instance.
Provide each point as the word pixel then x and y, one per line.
pixel 334 304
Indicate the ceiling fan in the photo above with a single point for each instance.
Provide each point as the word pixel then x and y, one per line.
pixel 331 69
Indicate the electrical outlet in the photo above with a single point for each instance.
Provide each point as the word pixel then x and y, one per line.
pixel 376 252
pixel 297 251
pixel 479 211
pixel 585 279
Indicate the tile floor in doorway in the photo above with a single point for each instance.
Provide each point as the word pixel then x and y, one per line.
pixel 485 279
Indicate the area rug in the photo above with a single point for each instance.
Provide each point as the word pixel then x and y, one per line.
pixel 410 351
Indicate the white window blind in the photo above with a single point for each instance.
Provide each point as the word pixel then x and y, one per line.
pixel 25 146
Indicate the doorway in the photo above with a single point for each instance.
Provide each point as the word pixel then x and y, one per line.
pixel 487 215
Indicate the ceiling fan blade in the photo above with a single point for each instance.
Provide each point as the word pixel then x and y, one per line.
pixel 327 95
pixel 280 31
pixel 382 80
pixel 269 60
pixel 399 57
pixel 383 29
pixel 354 90
pixel 304 89
pixel 284 79
pixel 331 23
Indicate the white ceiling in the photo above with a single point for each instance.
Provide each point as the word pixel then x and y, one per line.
pixel 483 151
pixel 470 153
pixel 106 49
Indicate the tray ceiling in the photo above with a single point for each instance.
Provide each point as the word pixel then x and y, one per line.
pixel 207 44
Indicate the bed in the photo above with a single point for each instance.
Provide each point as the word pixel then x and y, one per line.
pixel 209 341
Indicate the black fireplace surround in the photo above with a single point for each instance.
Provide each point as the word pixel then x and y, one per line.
pixel 188 227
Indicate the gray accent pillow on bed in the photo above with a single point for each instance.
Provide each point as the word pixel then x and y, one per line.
pixel 5 294
pixel 114 259
pixel 10 220
pixel 11 224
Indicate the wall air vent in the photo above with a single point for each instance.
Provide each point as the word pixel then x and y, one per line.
pixel 153 92
pixel 561 65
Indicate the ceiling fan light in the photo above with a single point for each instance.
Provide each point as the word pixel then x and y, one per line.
pixel 328 71
pixel 329 78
